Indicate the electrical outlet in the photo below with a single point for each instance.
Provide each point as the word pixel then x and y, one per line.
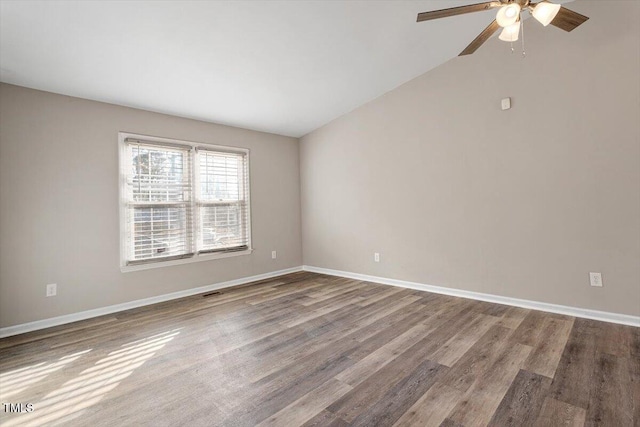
pixel 52 290
pixel 376 257
pixel 274 255
pixel 595 279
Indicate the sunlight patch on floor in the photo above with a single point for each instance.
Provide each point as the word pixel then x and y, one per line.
pixel 92 384
pixel 14 382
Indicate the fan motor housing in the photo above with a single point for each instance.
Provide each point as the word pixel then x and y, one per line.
pixel 522 3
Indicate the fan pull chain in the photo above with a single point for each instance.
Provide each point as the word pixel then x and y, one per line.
pixel 524 54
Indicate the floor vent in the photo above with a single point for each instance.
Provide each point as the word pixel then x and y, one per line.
pixel 210 294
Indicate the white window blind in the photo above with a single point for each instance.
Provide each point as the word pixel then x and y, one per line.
pixel 159 211
pixel 222 199
pixel 181 201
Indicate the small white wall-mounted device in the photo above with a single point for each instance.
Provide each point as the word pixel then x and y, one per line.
pixel 506 103
pixel 376 257
pixel 52 290
pixel 595 279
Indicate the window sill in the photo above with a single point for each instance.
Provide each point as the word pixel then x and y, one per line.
pixel 196 258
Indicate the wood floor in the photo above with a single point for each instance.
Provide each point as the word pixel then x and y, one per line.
pixel 314 350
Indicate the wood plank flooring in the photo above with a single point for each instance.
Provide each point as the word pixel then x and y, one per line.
pixel 314 350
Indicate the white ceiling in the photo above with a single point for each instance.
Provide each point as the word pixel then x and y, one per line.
pixel 286 67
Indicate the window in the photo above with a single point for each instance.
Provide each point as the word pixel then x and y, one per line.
pixel 181 200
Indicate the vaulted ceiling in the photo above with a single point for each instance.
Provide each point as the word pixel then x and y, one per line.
pixel 285 67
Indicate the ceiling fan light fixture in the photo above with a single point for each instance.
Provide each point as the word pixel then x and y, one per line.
pixel 544 12
pixel 508 14
pixel 510 33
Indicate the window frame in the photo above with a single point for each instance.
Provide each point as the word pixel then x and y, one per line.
pixel 123 201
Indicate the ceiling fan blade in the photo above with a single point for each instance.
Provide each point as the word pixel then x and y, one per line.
pixel 567 19
pixel 460 10
pixel 482 37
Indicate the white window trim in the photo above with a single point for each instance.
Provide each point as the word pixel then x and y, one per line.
pixel 122 136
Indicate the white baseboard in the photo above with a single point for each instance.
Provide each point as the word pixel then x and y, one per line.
pixel 69 318
pixel 604 316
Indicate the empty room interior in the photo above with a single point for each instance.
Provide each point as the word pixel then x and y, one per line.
pixel 320 213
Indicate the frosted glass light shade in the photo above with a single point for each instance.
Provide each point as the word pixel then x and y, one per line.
pixel 510 33
pixel 508 15
pixel 544 12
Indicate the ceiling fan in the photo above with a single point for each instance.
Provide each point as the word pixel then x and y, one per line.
pixel 508 18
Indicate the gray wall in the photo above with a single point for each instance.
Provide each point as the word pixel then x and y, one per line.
pixel 523 203
pixel 59 205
